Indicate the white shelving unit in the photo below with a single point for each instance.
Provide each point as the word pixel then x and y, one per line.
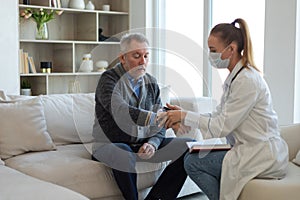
pixel 72 34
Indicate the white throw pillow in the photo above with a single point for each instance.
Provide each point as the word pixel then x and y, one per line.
pixel 23 128
pixel 69 117
pixel 297 159
pixel 2 95
pixel 12 98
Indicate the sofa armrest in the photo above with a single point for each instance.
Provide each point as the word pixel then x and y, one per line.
pixel 291 134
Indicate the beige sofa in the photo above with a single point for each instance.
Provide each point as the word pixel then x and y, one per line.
pixel 45 143
pixel 287 188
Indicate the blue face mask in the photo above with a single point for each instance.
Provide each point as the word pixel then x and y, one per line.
pixel 216 60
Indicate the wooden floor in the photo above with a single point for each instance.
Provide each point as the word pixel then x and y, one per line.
pixel 197 196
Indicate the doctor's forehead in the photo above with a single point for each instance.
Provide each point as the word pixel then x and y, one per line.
pixel 214 42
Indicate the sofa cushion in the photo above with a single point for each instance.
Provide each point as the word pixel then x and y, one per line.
pixel 291 133
pixel 69 117
pixel 18 186
pixel 71 166
pixel 297 159
pixel 23 128
pixel 269 189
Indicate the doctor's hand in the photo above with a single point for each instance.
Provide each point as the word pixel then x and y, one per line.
pixel 180 129
pixel 146 151
pixel 173 107
pixel 173 117
pixel 162 115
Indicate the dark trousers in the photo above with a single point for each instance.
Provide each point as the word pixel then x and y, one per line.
pixel 122 159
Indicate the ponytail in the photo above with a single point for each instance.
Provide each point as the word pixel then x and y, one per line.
pixel 229 33
pixel 247 56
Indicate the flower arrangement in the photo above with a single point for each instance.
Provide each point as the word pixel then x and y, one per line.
pixel 41 17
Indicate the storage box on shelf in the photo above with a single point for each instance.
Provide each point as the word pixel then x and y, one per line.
pixel 72 34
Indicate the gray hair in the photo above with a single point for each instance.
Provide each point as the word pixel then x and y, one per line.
pixel 127 38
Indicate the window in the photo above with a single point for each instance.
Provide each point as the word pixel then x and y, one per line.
pixel 185 44
pixel 183 47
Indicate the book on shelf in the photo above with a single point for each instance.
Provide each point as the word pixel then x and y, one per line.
pixel 26 65
pixel 208 145
pixel 21 61
pixel 56 3
pixel 31 65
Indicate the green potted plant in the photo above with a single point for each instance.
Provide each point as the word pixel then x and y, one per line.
pixel 25 87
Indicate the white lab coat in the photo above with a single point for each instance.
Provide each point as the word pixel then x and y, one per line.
pixel 245 114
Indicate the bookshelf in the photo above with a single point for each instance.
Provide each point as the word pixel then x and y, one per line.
pixel 72 34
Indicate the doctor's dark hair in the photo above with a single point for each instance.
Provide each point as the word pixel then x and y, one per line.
pixel 127 38
pixel 229 32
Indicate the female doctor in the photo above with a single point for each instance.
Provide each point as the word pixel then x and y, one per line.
pixel 245 117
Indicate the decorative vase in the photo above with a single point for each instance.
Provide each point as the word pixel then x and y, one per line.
pixel 87 63
pixel 101 65
pixel 41 31
pixel 78 4
pixel 90 6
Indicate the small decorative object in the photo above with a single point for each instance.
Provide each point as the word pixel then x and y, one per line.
pixel 87 63
pixel 46 67
pixel 106 38
pixel 106 7
pixel 77 4
pixel 101 65
pixel 26 2
pixel 25 87
pixel 89 6
pixel 41 17
pixel 102 37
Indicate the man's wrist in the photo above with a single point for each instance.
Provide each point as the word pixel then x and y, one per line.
pixel 152 120
pixel 152 144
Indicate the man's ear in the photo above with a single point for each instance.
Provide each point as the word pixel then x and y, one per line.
pixel 122 58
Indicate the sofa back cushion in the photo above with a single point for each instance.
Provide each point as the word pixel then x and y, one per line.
pixel 69 117
pixel 23 128
pixel 195 104
pixel 291 134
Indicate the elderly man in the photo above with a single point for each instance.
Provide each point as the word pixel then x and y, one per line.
pixel 126 129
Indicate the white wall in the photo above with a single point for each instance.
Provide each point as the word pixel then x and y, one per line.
pixel 281 48
pixel 280 56
pixel 9 74
pixel 297 71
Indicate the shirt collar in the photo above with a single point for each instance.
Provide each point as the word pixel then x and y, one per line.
pixel 235 70
pixel 229 78
pixel 133 80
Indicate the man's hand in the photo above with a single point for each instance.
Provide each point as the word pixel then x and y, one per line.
pixel 146 151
